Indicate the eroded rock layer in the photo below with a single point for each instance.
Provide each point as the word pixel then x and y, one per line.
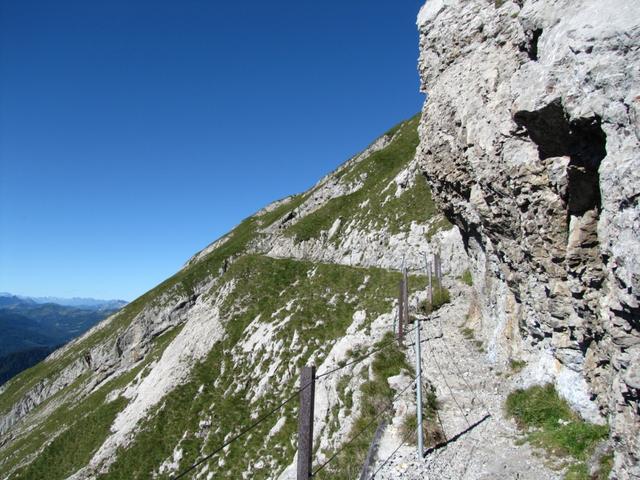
pixel 530 139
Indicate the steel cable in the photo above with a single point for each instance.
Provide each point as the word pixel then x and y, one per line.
pixel 241 433
pixel 362 430
pixel 389 458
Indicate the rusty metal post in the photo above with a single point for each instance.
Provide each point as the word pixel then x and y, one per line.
pixel 396 318
pixel 305 422
pixel 373 450
pixel 435 269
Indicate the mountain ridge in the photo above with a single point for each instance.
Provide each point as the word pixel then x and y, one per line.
pixel 374 211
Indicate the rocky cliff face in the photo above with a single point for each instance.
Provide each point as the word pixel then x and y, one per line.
pixel 530 140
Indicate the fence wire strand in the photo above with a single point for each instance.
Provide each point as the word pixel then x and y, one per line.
pixel 323 375
pixel 362 430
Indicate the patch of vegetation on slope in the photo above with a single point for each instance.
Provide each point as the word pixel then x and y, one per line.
pixel 376 396
pixel 441 296
pixel 551 424
pixel 73 431
pixel 374 205
pixel 306 307
pixel 75 446
pixel 432 430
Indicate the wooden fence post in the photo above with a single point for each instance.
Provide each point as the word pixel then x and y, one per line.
pixel 401 307
pixel 439 268
pixel 305 422
pixel 430 286
pixel 405 278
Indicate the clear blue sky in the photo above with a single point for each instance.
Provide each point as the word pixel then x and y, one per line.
pixel 133 133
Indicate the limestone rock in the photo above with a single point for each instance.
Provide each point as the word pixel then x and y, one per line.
pixel 530 142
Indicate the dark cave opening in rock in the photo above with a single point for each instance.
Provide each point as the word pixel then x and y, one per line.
pixel 582 140
pixel 587 148
pixel 468 232
pixel 531 44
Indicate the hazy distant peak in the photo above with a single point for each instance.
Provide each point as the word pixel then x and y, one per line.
pixel 91 303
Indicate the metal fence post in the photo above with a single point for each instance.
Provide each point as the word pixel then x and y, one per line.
pixel 305 422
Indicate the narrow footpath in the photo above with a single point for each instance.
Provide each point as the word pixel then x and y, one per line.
pixel 471 392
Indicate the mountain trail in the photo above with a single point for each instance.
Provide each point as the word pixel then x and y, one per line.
pixel 471 391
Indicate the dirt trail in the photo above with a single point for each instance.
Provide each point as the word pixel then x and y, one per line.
pixel 465 381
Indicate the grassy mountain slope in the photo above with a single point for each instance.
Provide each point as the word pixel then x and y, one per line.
pixel 193 361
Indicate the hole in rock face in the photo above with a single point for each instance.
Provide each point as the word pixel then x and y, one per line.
pixel 531 43
pixel 587 149
pixel 582 140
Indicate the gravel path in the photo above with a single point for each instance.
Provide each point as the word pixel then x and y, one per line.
pixel 465 381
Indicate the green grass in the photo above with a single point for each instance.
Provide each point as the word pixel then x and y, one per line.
pixel 538 406
pixel 377 172
pixel 75 446
pixel 84 426
pixel 516 366
pixel 263 287
pixel 466 278
pixel 579 471
pixel 467 333
pixel 438 223
pixel 470 335
pixel 441 296
pixel 552 425
pixel 294 202
pixel 376 396
pixel 606 465
pixel 345 394
pixel 432 433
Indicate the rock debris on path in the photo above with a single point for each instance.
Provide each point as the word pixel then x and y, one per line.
pixel 465 381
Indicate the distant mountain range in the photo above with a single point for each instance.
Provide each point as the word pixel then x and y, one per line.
pixel 32 327
pixel 79 302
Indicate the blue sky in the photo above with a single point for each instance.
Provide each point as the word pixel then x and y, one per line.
pixel 133 133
